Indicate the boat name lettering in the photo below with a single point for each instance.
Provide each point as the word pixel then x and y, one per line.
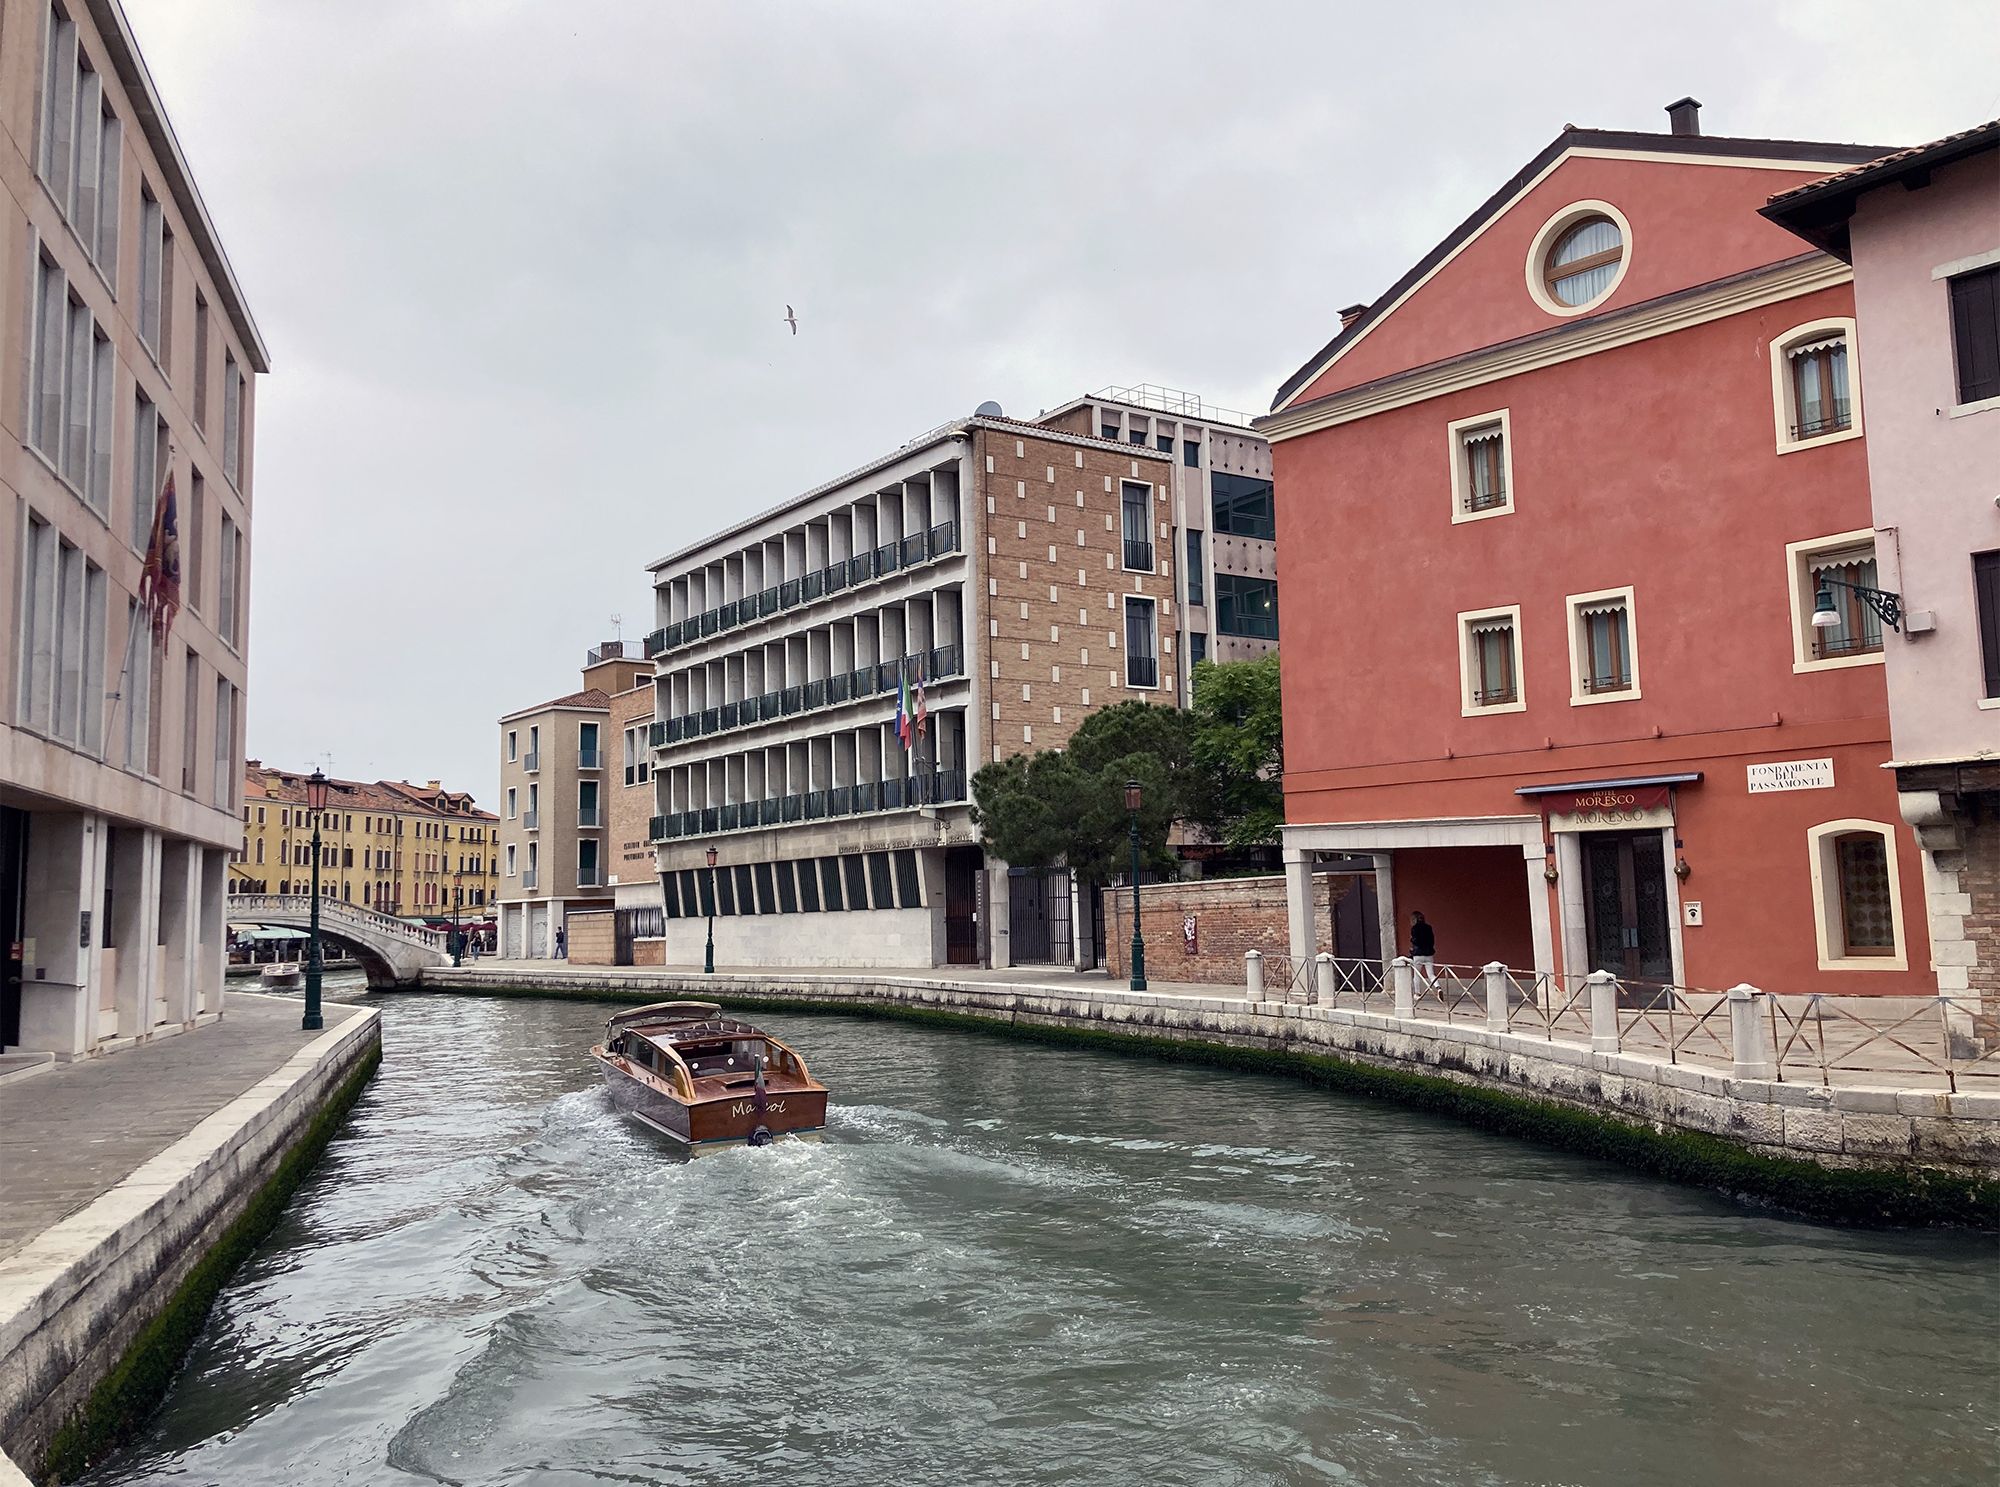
pixel 749 1107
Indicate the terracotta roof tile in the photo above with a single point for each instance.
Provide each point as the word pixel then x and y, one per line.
pixel 1888 164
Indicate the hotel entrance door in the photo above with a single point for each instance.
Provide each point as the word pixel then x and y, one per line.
pixel 1625 905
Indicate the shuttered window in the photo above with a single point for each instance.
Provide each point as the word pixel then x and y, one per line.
pixel 1986 592
pixel 1975 333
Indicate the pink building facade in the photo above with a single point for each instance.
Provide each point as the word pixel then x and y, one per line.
pixel 1922 230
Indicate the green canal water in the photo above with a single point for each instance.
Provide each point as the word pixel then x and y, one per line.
pixel 1011 1264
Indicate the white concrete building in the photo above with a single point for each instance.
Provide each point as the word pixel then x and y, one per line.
pixel 130 357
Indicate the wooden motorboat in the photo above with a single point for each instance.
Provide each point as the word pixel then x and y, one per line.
pixel 705 1079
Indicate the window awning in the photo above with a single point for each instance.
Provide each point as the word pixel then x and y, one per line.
pixel 1602 606
pixel 1806 348
pixel 1625 783
pixel 1851 557
pixel 1480 436
pixel 1491 627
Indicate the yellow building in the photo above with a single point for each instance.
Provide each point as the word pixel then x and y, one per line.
pixel 386 845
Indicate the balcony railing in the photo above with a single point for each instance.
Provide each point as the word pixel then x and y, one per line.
pixel 589 816
pixel 941 663
pixel 587 877
pixel 532 761
pixel 1835 418
pixel 528 878
pixel 590 758
pixel 531 820
pixel 1142 671
pixel 1138 556
pixel 1485 500
pixel 867 797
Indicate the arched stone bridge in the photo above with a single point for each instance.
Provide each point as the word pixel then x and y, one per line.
pixel 392 951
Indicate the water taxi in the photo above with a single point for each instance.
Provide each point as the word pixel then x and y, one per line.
pixel 707 1080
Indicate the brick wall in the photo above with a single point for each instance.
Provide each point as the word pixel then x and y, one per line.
pixel 1232 916
pixel 1048 517
pixel 593 939
pixel 1979 882
pixel 649 952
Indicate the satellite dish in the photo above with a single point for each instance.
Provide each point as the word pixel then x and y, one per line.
pixel 987 409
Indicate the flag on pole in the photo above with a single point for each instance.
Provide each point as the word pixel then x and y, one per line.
pixel 923 712
pixel 903 708
pixel 160 579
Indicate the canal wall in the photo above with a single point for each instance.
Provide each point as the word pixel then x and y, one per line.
pixel 1850 1151
pixel 98 1310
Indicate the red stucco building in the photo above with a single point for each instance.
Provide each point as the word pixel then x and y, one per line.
pixel 1558 511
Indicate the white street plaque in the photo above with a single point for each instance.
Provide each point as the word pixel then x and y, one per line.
pixel 1791 774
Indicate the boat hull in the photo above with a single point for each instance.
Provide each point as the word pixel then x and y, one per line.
pixel 728 1120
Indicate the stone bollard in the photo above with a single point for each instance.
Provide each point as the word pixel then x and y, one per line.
pixel 1404 974
pixel 1323 978
pixel 1748 1046
pixel 1253 974
pixel 1496 996
pixel 1603 988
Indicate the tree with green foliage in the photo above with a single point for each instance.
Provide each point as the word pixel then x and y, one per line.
pixel 1216 767
pixel 1239 752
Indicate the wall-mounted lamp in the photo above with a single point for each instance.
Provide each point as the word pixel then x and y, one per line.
pixel 1827 615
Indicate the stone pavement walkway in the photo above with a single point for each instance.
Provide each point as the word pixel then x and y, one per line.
pixel 73 1132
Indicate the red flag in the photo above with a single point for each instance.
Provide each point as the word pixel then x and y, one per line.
pixel 160 579
pixel 923 712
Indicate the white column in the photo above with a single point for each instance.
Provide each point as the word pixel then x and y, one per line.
pixel 180 892
pixel 1603 1011
pixel 1749 1048
pixel 1386 927
pixel 1299 902
pixel 1539 925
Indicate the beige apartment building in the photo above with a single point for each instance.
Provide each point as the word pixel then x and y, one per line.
pixel 413 851
pixel 557 774
pixel 130 355
pixel 1224 511
pixel 995 578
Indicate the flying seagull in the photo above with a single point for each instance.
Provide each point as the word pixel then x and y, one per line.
pixel 791 319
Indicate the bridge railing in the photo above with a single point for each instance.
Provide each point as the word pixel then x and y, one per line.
pixel 336 912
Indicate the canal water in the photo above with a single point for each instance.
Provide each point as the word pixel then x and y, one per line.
pixel 1011 1264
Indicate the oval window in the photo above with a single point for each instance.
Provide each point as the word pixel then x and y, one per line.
pixel 1584 261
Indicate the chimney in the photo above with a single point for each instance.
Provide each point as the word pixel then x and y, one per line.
pixel 1351 314
pixel 1684 117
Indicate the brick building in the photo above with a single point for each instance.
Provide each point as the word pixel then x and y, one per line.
pixel 998 579
pixel 1223 510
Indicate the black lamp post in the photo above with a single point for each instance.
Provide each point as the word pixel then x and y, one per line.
pixel 457 898
pixel 315 965
pixel 708 956
pixel 1133 799
pixel 1887 605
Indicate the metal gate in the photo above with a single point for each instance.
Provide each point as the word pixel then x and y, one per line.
pixel 1038 916
pixel 631 924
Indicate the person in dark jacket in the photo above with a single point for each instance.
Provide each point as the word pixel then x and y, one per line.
pixel 1423 949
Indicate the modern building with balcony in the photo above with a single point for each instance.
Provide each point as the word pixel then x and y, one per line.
pixel 1224 511
pixel 558 770
pixel 987 583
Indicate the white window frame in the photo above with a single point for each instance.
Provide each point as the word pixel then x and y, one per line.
pixel 513 745
pixel 1159 653
pixel 511 798
pixel 1828 930
pixel 1575 604
pixel 1152 542
pixel 1468 671
pixel 510 860
pixel 1782 410
pixel 596 849
pixel 1455 433
pixel 598 786
pixel 1800 587
pixel 1545 241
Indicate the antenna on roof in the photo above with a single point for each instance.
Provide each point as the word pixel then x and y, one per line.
pixel 618 628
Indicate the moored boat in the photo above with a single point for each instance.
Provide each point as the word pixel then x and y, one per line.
pixel 705 1079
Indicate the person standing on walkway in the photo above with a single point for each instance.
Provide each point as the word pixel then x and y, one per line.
pixel 562 944
pixel 1423 949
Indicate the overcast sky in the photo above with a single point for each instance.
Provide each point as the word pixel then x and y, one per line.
pixel 522 266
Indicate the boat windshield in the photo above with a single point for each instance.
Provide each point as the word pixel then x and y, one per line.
pixel 732 1056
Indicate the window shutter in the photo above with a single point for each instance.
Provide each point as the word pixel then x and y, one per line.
pixel 1986 593
pixel 1975 328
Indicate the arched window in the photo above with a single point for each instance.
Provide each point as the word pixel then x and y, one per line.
pixel 1857 898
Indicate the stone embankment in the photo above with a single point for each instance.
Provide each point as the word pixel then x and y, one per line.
pixel 98 1307
pixel 1891 1150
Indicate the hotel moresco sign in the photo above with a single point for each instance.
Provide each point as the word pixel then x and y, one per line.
pixel 1608 808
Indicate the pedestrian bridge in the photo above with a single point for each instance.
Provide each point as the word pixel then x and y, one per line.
pixel 392 951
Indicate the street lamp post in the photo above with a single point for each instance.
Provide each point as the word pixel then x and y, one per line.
pixel 457 938
pixel 1133 800
pixel 708 956
pixel 315 965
